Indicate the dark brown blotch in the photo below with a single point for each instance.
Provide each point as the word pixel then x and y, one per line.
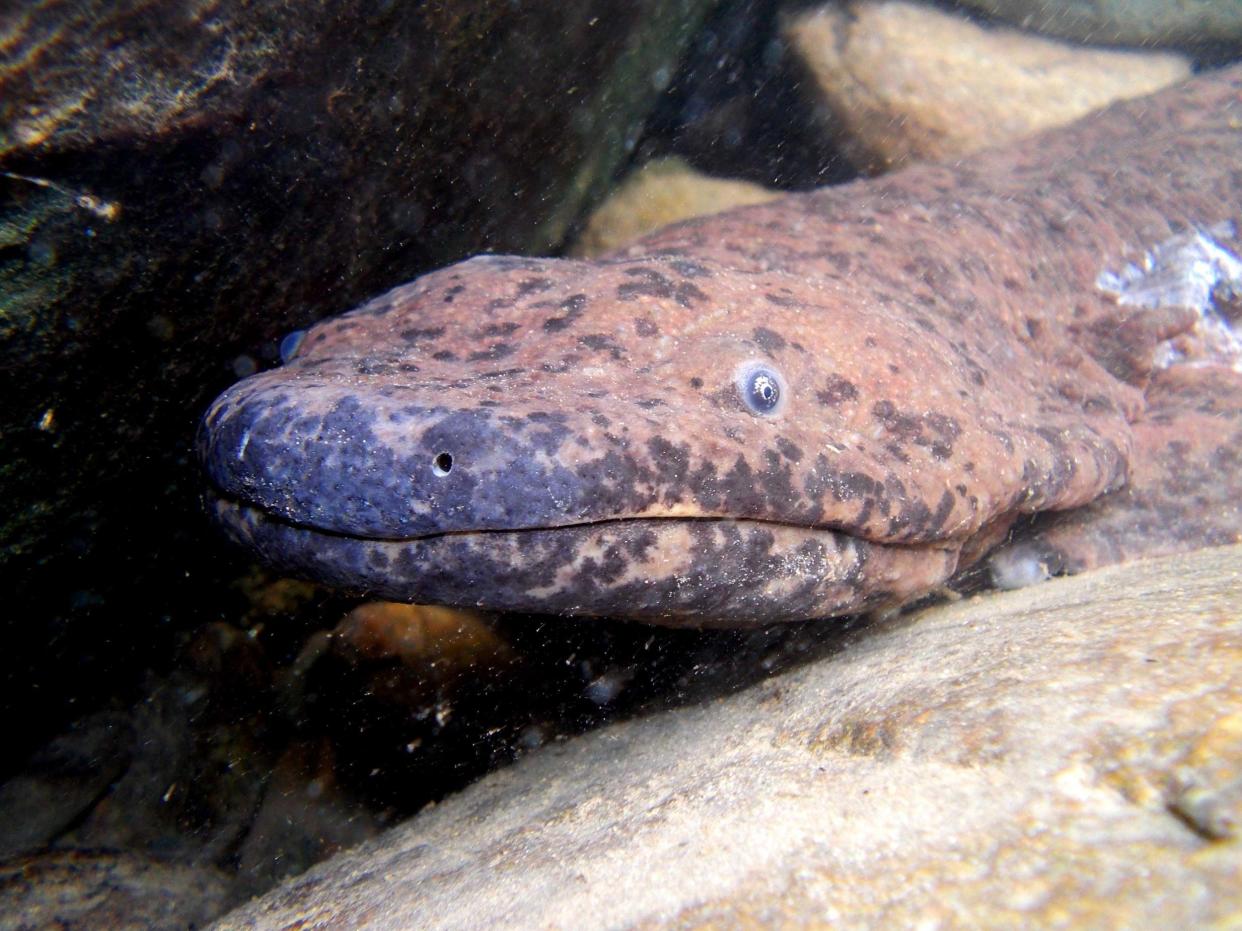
pixel 688 269
pixel 499 373
pixel 686 294
pixel 421 334
pixel 840 261
pixel 946 427
pixel 907 428
pixel 602 342
pixel 789 450
pixel 837 389
pixel 560 367
pixel 498 329
pixel 672 462
pixel 654 284
pixel 533 286
pixel 491 353
pixel 574 306
pixel 768 340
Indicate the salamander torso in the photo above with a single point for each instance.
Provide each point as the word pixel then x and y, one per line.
pixel 824 404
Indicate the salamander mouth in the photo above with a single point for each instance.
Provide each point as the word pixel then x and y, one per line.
pixel 674 570
pixel 228 508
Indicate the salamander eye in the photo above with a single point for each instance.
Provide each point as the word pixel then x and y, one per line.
pixel 762 388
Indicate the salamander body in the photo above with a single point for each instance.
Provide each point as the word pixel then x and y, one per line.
pixel 828 403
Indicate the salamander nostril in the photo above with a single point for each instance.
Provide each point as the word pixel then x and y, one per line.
pixel 442 464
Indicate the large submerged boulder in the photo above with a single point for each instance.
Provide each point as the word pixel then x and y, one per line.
pixel 184 184
pixel 1070 753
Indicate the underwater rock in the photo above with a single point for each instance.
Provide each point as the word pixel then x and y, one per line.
pixel 662 192
pixel 1188 23
pixel 61 781
pixel 907 82
pixel 305 816
pixel 77 890
pixel 1066 753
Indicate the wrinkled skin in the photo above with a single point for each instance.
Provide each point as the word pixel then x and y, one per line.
pixel 590 438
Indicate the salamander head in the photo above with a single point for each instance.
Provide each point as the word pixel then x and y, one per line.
pixel 648 438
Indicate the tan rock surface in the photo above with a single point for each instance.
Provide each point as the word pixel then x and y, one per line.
pixel 907 82
pixel 1069 754
pixel 662 192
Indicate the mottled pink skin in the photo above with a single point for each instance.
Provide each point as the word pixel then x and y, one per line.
pixel 1184 491
pixel 947 364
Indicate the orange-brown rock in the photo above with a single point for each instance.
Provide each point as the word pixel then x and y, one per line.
pixel 907 82
pixel 662 192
